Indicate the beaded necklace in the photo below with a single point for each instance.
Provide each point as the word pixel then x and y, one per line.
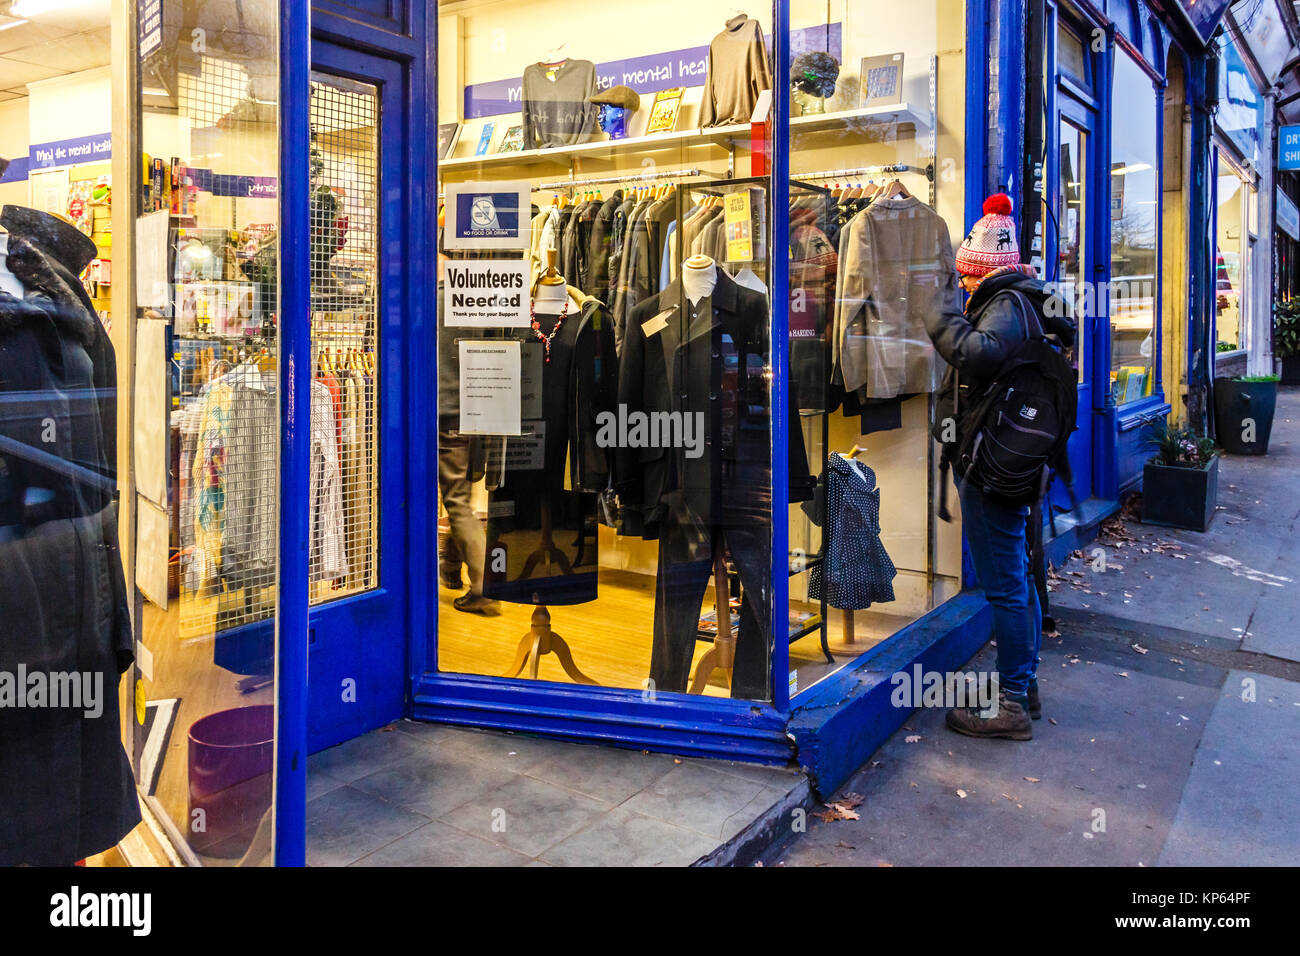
pixel 537 326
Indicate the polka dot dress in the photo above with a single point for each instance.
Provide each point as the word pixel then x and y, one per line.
pixel 857 572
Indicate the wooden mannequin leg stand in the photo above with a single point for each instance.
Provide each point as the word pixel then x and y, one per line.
pixel 723 652
pixel 546 551
pixel 541 640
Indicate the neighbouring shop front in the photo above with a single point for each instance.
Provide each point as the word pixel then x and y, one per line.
pixel 644 328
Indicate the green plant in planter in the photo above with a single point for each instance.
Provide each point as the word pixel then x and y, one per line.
pixel 1177 446
pixel 1286 329
pixel 1257 378
pixel 1224 347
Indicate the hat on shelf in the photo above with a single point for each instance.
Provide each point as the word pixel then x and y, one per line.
pixel 992 240
pixel 814 73
pixel 623 96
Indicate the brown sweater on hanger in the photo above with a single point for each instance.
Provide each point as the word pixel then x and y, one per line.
pixel 738 72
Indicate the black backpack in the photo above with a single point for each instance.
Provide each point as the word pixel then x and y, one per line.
pixel 1009 430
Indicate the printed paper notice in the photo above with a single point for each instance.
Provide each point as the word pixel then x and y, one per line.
pixel 489 388
pixel 486 294
pixel 740 243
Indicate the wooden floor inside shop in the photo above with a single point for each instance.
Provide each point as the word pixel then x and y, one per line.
pixel 183 669
pixel 610 638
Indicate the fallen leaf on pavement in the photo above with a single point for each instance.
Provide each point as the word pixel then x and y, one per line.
pixel 962 794
pixel 1052 721
pixel 1139 648
pixel 835 811
pixel 1121 673
pixel 912 738
pixel 1032 779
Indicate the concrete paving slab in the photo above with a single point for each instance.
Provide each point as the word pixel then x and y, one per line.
pixel 1098 787
pixel 1239 804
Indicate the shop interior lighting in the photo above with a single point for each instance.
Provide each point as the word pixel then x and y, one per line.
pixel 11 24
pixel 1133 168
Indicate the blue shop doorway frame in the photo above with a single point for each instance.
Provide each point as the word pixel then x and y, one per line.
pixel 833 726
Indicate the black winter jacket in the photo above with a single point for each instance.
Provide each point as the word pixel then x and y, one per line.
pixel 66 787
pixel 979 341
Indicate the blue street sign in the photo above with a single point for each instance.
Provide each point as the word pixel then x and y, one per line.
pixel 1288 147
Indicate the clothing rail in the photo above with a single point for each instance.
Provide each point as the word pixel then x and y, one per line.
pixel 635 178
pixel 860 171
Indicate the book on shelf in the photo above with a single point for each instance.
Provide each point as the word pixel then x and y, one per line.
pixel 448 136
pixel 664 110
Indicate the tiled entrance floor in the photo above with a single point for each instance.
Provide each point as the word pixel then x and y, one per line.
pixel 419 794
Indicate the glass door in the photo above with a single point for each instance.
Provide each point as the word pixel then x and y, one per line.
pixel 1071 264
pixel 357 640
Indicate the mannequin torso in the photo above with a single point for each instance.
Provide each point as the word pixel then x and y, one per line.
pixel 698 278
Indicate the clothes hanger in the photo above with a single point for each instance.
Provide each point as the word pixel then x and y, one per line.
pixel 896 189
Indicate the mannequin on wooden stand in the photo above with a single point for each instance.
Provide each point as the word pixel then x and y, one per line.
pixel 699 276
pixel 550 296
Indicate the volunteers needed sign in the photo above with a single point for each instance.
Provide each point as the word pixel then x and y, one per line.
pixel 486 293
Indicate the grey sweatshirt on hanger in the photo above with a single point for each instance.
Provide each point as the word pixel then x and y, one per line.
pixel 556 112
pixel 738 72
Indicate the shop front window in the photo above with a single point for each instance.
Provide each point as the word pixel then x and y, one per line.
pixel 878 105
pixel 66 784
pixel 207 424
pixel 604 354
pixel 1229 257
pixel 1134 234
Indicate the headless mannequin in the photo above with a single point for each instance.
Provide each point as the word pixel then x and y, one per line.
pixel 699 277
pixel 8 281
pixel 549 298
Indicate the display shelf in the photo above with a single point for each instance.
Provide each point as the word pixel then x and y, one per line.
pixel 725 137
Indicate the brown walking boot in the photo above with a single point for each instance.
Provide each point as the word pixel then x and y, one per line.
pixel 1010 720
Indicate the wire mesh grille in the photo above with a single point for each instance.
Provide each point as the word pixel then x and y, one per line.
pixel 344 204
pixel 225 427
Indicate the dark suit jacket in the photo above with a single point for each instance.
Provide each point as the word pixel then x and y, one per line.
pixel 602 229
pixel 716 365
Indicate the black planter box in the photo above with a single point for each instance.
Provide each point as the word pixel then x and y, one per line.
pixel 1291 370
pixel 1235 403
pixel 1180 497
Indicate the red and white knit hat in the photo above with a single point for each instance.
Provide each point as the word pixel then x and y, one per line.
pixel 992 240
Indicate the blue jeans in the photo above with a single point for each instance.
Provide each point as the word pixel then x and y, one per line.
pixel 996 533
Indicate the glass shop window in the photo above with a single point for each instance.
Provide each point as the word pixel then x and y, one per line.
pixel 206 271
pixel 1134 233
pixel 604 353
pixel 876 214
pixel 1230 246
pixel 1071 58
pixel 66 784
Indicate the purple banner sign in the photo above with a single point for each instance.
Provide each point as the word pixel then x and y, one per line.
pixel 645 74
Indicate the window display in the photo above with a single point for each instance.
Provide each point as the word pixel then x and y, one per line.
pixel 1229 255
pixel 634 497
pixel 1134 237
pixel 625 521
pixel 873 233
